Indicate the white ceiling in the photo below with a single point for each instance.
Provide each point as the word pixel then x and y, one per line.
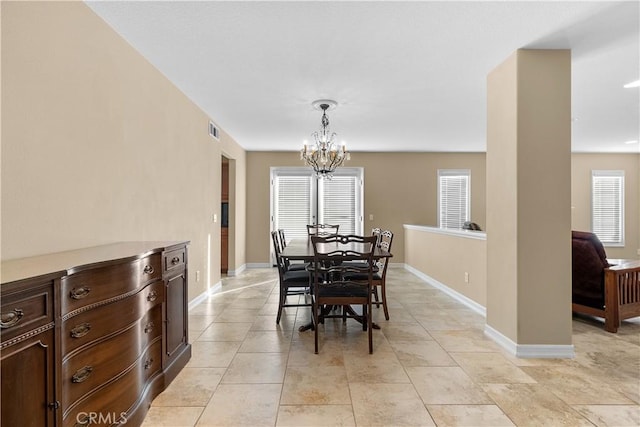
pixel 407 76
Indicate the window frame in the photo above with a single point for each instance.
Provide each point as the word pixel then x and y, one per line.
pixel 317 186
pixel 442 173
pixel 619 176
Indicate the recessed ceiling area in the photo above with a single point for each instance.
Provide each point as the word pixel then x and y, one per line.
pixel 407 76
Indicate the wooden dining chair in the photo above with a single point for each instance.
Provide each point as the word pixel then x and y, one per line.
pixel 336 284
pixel 283 239
pixel 380 276
pixel 292 266
pixel 385 238
pixel 293 283
pixel 376 232
pixel 322 229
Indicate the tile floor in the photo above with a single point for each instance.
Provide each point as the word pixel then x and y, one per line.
pixel 432 365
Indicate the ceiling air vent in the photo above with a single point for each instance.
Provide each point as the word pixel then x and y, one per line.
pixel 214 131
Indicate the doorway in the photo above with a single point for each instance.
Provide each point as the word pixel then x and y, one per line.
pixel 224 217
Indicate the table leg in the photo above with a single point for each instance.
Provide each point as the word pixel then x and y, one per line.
pixel 358 317
pixel 327 309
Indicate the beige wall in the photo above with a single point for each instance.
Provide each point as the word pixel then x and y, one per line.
pixel 98 146
pixel 447 256
pixel 581 167
pixel 399 188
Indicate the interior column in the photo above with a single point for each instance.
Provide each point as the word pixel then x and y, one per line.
pixel 529 203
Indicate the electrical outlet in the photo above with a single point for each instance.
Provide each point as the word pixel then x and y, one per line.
pixel 466 277
pixel 215 217
pixel 197 275
pixel 638 251
pixel 370 217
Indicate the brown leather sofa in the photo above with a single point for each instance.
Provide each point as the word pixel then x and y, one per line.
pixel 601 287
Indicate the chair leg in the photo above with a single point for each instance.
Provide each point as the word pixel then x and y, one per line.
pixel 375 295
pixel 315 308
pixel 369 326
pixel 384 300
pixel 281 302
pixel 364 317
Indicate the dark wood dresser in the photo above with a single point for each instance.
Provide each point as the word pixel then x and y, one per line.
pixel 90 337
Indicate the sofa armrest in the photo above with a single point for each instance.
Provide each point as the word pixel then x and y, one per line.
pixel 622 292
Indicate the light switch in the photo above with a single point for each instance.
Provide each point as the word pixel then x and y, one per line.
pixel 370 217
pixel 215 217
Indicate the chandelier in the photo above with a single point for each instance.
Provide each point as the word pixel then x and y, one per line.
pixel 325 156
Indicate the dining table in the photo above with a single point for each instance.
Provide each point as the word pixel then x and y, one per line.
pixel 302 250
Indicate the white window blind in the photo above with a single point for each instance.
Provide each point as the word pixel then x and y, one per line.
pixel 339 201
pixel 299 198
pixel 292 210
pixel 607 206
pixel 453 197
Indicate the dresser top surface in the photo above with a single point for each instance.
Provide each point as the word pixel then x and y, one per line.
pixel 63 263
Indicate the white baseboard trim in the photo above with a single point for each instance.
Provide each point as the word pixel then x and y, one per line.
pixel 203 296
pixel 530 351
pixel 258 265
pixel 239 270
pixel 525 351
pixel 447 290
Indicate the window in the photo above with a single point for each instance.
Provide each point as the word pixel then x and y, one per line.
pixel 292 203
pixel 338 203
pixel 299 198
pixel 607 206
pixel 454 206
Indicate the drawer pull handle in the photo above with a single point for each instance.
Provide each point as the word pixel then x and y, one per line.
pixel 80 330
pixel 79 293
pixel 175 260
pixel 148 269
pixel 148 363
pixel 82 374
pixel 11 318
pixel 149 327
pixel 153 295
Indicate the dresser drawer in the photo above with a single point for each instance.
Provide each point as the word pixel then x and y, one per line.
pixel 175 259
pixel 91 325
pixel 100 284
pixel 109 406
pixel 25 310
pixel 97 364
pixel 151 361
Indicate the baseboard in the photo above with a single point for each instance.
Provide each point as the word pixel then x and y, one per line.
pixel 397 265
pixel 239 270
pixel 525 351
pixel 447 290
pixel 530 351
pixel 259 265
pixel 203 296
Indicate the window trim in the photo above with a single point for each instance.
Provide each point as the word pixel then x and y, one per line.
pixel 610 174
